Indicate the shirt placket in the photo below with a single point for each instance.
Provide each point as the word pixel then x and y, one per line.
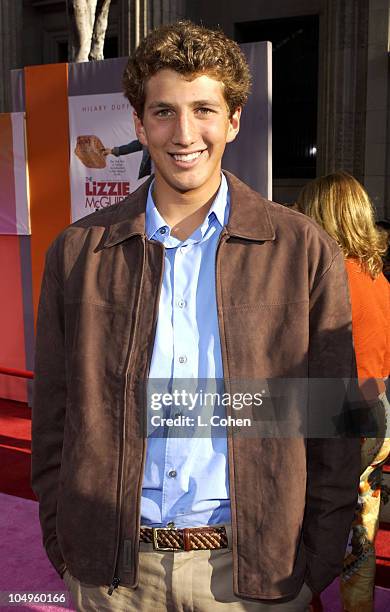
pixel 184 360
pixel 184 369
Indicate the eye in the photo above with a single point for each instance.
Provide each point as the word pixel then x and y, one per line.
pixel 203 110
pixel 164 113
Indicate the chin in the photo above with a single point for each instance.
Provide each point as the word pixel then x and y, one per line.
pixel 193 181
pixel 183 187
pixel 185 181
pixel 186 184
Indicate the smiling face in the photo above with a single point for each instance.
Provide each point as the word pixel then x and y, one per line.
pixel 186 126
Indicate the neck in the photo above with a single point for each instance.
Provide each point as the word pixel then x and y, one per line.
pixel 184 211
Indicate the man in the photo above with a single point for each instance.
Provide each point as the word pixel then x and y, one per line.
pixel 194 277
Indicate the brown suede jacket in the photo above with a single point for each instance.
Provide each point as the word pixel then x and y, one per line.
pixel 283 311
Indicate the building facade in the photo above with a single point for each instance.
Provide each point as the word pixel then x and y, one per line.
pixel 331 73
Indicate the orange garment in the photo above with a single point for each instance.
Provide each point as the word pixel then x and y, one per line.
pixel 370 301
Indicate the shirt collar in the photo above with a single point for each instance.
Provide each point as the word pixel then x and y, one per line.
pixel 219 209
pixel 153 221
pixel 220 205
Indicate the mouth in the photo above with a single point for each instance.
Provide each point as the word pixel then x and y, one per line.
pixel 187 158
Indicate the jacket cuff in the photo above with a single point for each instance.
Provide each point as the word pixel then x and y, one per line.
pixel 319 574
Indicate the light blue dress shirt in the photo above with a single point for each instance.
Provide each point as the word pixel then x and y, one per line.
pixel 186 473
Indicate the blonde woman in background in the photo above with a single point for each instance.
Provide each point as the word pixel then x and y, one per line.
pixel 341 206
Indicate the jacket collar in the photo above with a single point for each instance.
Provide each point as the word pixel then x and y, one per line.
pixel 128 217
pixel 249 215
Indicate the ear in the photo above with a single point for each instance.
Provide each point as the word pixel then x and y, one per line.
pixel 140 130
pixel 234 125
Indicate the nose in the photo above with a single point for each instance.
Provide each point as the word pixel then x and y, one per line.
pixel 184 130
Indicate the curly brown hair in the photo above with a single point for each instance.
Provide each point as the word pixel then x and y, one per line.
pixel 191 50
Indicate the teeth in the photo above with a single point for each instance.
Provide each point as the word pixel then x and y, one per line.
pixel 187 158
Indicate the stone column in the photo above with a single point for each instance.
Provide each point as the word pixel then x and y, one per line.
pixel 377 152
pixel 138 17
pixel 10 47
pixel 343 86
pixel 166 11
pixel 133 16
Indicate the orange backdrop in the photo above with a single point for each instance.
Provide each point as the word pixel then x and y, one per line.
pixel 48 160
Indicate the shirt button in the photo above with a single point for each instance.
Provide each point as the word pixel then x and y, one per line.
pixel 172 473
pixel 163 230
pixel 182 359
pixel 181 303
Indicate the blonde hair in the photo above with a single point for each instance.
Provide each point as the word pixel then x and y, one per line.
pixel 342 207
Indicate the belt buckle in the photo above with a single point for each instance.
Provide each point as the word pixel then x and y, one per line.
pixel 156 545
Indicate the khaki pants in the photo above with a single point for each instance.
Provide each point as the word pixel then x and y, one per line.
pixel 195 581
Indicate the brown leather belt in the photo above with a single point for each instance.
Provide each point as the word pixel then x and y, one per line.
pixel 193 538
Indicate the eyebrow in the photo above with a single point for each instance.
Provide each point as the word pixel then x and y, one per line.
pixel 162 104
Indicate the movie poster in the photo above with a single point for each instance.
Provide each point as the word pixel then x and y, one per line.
pixel 107 162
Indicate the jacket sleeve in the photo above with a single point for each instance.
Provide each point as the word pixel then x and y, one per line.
pixel 49 399
pixel 132 147
pixel 333 460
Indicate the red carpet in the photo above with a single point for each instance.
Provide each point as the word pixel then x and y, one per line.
pixel 382 547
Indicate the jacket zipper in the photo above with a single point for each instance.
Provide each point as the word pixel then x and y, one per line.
pixel 155 315
pixel 116 580
pixel 114 584
pixel 226 373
